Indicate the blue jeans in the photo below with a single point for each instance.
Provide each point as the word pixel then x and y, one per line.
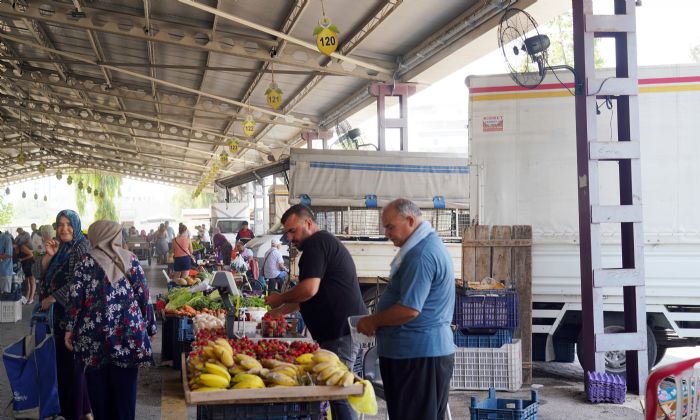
pixel 347 352
pixel 276 283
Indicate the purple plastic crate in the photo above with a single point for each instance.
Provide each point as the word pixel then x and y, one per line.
pixel 493 340
pixel 605 388
pixel 486 309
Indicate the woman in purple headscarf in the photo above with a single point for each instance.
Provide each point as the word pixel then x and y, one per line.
pixel 222 248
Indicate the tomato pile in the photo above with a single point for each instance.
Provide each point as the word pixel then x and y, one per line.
pixel 262 349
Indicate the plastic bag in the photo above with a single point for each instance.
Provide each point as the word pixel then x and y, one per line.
pixel 365 403
pixel 239 264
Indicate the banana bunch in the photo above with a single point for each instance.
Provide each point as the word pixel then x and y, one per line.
pixel 329 370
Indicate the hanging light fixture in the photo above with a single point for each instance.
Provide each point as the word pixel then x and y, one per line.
pixel 7 191
pixel 36 196
pixel 45 198
pixel 24 194
pixel 41 168
pixel 69 180
pixel 59 174
pixel 89 189
pixel 22 158
pixel 80 184
pixel 223 157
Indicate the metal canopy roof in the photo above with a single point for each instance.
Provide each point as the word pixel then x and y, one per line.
pixel 156 89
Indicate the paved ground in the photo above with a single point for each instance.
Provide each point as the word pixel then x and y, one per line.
pixel 160 391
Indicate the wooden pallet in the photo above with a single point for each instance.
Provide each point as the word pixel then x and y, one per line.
pixel 504 253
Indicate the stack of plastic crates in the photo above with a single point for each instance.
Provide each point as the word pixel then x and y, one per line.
pixel 10 305
pixel 486 355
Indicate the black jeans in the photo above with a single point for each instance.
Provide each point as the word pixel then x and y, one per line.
pixel 113 392
pixel 417 389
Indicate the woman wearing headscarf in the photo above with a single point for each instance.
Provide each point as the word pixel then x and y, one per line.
pixel 59 263
pixel 222 248
pixel 162 244
pixel 110 321
pixel 26 260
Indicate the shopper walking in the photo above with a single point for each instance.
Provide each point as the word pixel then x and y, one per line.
pixel 412 322
pixel 327 294
pixel 110 322
pixel 274 270
pixel 182 249
pixel 6 253
pixel 161 238
pixel 25 256
pixel 59 263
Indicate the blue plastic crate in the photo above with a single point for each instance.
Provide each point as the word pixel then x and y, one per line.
pixel 494 408
pixel 495 340
pixel 184 329
pixel 486 309
pixel 288 411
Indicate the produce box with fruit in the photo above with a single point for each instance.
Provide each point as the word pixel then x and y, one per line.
pixel 243 371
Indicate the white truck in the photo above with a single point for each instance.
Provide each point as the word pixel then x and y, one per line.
pixel 347 190
pixel 522 148
pixel 229 217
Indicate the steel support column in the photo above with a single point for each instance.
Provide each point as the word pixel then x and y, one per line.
pixel 623 89
pixel 402 91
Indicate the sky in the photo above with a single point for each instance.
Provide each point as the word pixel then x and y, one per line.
pixel 666 32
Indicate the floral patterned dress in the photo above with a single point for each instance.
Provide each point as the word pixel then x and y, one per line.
pixel 110 325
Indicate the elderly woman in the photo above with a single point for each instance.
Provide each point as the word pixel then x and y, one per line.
pixel 26 261
pixel 222 248
pixel 59 263
pixel 110 321
pixel 162 244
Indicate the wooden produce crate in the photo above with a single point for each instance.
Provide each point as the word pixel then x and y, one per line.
pixel 504 253
pixel 267 395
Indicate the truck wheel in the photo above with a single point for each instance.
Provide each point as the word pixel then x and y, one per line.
pixel 660 353
pixel 616 361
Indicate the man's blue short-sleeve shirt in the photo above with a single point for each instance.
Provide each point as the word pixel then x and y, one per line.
pixel 424 282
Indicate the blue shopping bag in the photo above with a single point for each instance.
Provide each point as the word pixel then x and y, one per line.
pixel 30 364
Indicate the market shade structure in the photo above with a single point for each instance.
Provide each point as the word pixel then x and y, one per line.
pixel 157 90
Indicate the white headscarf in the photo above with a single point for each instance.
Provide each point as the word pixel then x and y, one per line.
pixel 106 239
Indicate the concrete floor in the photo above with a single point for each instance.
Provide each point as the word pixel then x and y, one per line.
pixel 160 390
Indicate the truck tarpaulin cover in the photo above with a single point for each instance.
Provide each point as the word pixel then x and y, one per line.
pixel 347 177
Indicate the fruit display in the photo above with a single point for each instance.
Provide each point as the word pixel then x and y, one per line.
pixel 273 326
pixel 217 363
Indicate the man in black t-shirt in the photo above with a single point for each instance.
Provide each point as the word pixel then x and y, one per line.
pixel 328 291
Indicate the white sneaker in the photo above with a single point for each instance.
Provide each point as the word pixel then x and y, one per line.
pixel 23 300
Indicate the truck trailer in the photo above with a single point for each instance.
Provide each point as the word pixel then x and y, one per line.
pixel 522 152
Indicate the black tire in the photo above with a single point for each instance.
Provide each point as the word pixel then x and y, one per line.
pixel 660 353
pixel 615 362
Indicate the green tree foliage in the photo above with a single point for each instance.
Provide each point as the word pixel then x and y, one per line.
pixel 183 200
pixel 6 212
pixel 110 185
pixel 560 31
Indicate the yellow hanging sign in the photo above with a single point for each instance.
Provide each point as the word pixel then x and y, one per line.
pixel 249 126
pixel 232 146
pixel 326 36
pixel 273 94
